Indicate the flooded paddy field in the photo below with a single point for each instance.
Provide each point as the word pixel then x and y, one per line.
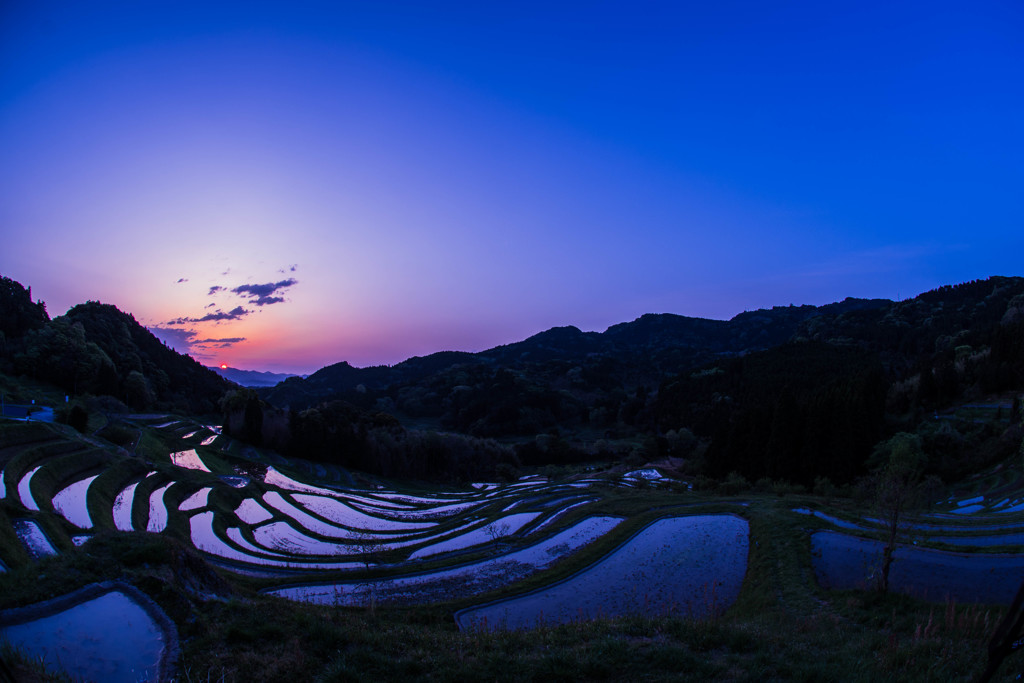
pixel 690 566
pixel 136 641
pixel 467 579
pixel 842 561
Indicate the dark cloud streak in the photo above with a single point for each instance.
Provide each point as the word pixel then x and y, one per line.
pixel 217 316
pixel 264 291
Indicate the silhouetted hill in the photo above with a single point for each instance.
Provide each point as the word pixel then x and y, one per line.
pixel 173 378
pixel 625 356
pixel 18 313
pixel 97 349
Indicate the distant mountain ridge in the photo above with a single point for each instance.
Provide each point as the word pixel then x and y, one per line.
pixel 655 343
pixel 251 378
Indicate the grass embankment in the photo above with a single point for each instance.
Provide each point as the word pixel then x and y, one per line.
pixel 782 627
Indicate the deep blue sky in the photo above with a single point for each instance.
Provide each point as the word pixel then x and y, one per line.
pixel 430 176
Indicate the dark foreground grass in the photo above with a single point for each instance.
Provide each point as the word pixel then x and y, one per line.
pixel 261 640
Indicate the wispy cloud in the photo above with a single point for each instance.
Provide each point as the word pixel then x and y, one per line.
pixel 182 279
pixel 217 316
pixel 178 339
pixel 263 295
pixel 224 343
pixel 215 289
pixel 184 341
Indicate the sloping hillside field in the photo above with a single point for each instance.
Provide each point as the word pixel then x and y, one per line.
pixel 494 556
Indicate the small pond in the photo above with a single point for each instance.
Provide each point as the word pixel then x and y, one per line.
pixel 109 637
pixel 842 561
pixel 690 565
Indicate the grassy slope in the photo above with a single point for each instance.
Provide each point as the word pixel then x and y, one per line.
pixel 783 627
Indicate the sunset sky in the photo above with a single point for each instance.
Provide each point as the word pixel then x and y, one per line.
pixel 280 186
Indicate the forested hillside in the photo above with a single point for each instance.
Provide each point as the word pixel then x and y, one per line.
pixel 794 393
pixel 97 349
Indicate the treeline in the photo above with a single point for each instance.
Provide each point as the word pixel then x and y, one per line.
pixel 798 412
pixel 340 433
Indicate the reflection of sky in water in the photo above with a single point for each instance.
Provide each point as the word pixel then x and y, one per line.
pixel 526 560
pixel 204 538
pixel 125 647
pixel 842 561
pixel 71 503
pixel 33 538
pixel 503 526
pixel 123 507
pixel 25 493
pixel 189 459
pixel 157 510
pixel 682 565
pixel 340 513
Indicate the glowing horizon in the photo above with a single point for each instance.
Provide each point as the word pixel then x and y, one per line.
pixel 460 177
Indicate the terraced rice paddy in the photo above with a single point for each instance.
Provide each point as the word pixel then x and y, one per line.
pixel 282 523
pixel 468 579
pixel 314 532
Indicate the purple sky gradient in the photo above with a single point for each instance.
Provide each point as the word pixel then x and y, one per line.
pixel 431 176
